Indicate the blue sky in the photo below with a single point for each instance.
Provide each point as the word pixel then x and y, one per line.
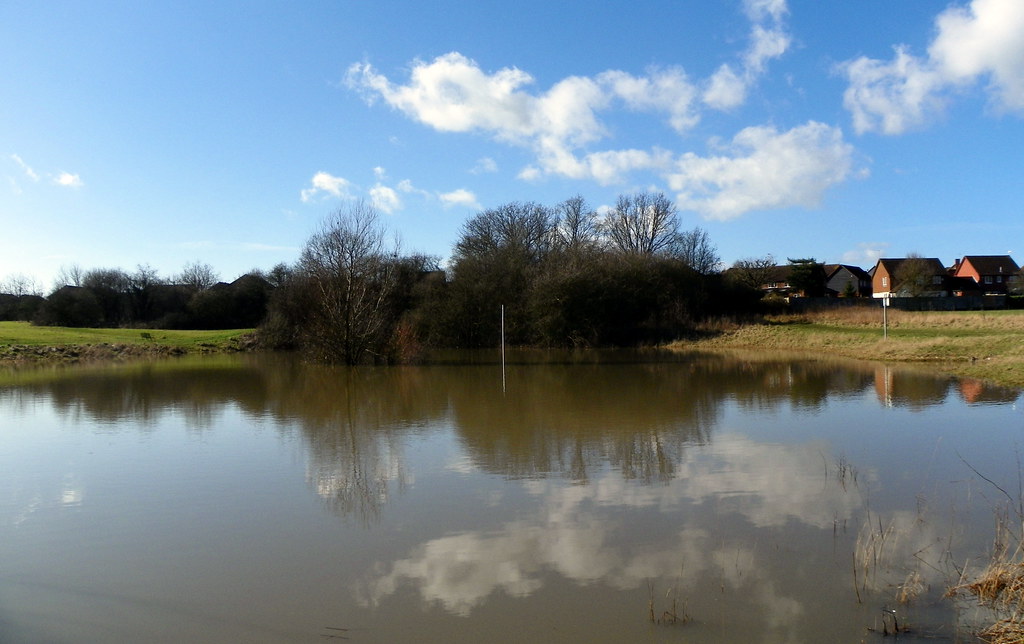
pixel 223 132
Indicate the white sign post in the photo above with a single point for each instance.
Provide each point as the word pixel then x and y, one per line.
pixel 885 319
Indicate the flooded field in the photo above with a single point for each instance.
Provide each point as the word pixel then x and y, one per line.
pixel 622 497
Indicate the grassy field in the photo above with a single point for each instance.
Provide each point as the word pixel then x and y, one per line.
pixel 23 333
pixel 22 343
pixel 980 344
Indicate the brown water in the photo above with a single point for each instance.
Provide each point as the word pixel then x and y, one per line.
pixel 256 499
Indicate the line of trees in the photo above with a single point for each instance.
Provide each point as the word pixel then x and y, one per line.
pixel 112 297
pixel 565 275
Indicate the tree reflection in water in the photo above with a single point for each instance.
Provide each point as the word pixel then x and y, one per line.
pixel 721 473
pixel 559 416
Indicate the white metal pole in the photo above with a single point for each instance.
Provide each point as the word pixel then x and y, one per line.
pixel 885 319
pixel 503 348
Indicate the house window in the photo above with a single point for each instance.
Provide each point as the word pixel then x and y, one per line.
pixel 937 279
pixel 988 279
pixel 999 279
pixel 885 281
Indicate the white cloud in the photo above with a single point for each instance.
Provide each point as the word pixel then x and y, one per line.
pixel 985 39
pixel 765 169
pixel 725 89
pixel 891 97
pixel 530 173
pixel 62 179
pixel 452 94
pixel 866 254
pixel 978 41
pixel 765 44
pixel 385 199
pixel 405 185
pixel 575 532
pixel 68 180
pixel 484 165
pixel 460 197
pixel 562 126
pixel 612 166
pixel 29 172
pixel 666 90
pixel 566 113
pixel 325 183
pixel 759 10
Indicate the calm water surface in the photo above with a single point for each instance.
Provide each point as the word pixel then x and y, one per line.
pixel 257 499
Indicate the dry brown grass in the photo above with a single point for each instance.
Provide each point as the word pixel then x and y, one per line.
pixel 911 588
pixel 1000 586
pixel 985 345
pixel 1004 631
pixel 1000 321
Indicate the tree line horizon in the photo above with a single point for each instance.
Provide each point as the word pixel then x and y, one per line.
pixel 566 276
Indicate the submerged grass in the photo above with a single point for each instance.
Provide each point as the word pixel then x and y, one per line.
pixel 671 615
pixel 980 344
pixel 1000 586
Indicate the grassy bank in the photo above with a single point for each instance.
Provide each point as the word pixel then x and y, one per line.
pixel 20 342
pixel 980 344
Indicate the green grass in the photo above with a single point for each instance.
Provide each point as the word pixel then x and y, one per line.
pixel 23 333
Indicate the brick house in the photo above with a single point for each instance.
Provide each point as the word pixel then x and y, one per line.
pixel 886 278
pixel 994 274
pixel 777 280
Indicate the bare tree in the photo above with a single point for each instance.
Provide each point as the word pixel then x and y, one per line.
pixel 141 286
pixel 576 230
pixel 496 258
pixel 643 223
pixel 197 276
pixel 524 230
pixel 753 272
pixel 111 288
pixel 915 276
pixel 278 275
pixel 69 276
pixel 20 284
pixel 697 251
pixel 350 273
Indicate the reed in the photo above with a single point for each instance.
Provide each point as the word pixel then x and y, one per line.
pixel 911 588
pixel 872 552
pixel 671 614
pixel 1000 585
